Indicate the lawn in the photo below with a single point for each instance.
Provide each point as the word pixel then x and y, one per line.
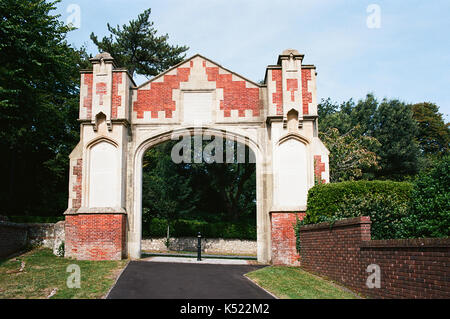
pixel 40 274
pixel 295 283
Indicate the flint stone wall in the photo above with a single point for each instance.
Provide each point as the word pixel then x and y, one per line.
pixel 209 245
pixel 15 237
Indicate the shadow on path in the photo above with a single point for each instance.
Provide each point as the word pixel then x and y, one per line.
pixel 158 280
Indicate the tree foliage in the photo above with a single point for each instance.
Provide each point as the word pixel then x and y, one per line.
pixel 39 89
pixel 433 133
pixel 387 203
pixel 430 209
pixel 349 153
pixel 168 191
pixel 396 130
pixel 386 128
pixel 396 209
pixel 137 47
pixel 211 192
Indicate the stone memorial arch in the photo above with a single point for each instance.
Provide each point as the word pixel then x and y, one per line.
pixel 119 121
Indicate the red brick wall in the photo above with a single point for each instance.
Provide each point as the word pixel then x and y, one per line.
pixel 277 96
pixel 319 168
pixel 159 96
pixel 284 250
pixel 236 95
pixel 306 95
pixel 415 268
pixel 292 86
pixel 101 89
pixel 87 102
pixel 116 98
pixel 95 236
pixel 76 187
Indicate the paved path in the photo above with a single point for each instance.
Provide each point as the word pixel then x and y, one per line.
pixel 164 280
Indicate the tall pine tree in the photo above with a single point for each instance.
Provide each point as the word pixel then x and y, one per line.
pixel 137 47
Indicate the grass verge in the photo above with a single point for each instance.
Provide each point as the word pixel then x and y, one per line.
pixel 295 283
pixel 40 274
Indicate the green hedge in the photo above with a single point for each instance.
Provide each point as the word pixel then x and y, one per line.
pixel 189 228
pixel 430 213
pixel 386 202
pixel 35 219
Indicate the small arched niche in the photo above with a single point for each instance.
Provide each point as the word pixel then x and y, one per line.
pixel 101 124
pixel 292 120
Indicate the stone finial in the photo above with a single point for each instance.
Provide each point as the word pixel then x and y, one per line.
pixel 286 54
pixel 104 56
pixel 290 51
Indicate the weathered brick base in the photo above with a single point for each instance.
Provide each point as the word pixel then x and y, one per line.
pixel 284 250
pixel 410 268
pixel 95 236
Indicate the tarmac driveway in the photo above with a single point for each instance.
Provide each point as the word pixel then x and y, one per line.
pixel 161 280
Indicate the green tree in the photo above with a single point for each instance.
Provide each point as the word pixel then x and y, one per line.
pixel 233 186
pixel 39 88
pixel 433 133
pixel 138 48
pixel 212 192
pixel 394 127
pixel 333 115
pixel 228 189
pixel 168 192
pixel 349 153
pixel 390 122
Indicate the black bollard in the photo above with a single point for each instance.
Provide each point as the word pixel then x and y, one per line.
pixel 199 246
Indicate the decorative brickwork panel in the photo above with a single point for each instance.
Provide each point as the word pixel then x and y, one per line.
pixel 77 171
pixel 306 94
pixel 319 168
pixel 100 90
pixel 292 86
pixel 159 96
pixel 87 102
pixel 277 96
pixel 236 95
pixel 95 236
pixel 411 268
pixel 284 251
pixel 116 98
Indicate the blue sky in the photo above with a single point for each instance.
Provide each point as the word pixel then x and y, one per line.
pixel 407 58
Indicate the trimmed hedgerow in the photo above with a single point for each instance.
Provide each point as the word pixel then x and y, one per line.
pixel 386 202
pixel 189 228
pixel 430 213
pixel 397 209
